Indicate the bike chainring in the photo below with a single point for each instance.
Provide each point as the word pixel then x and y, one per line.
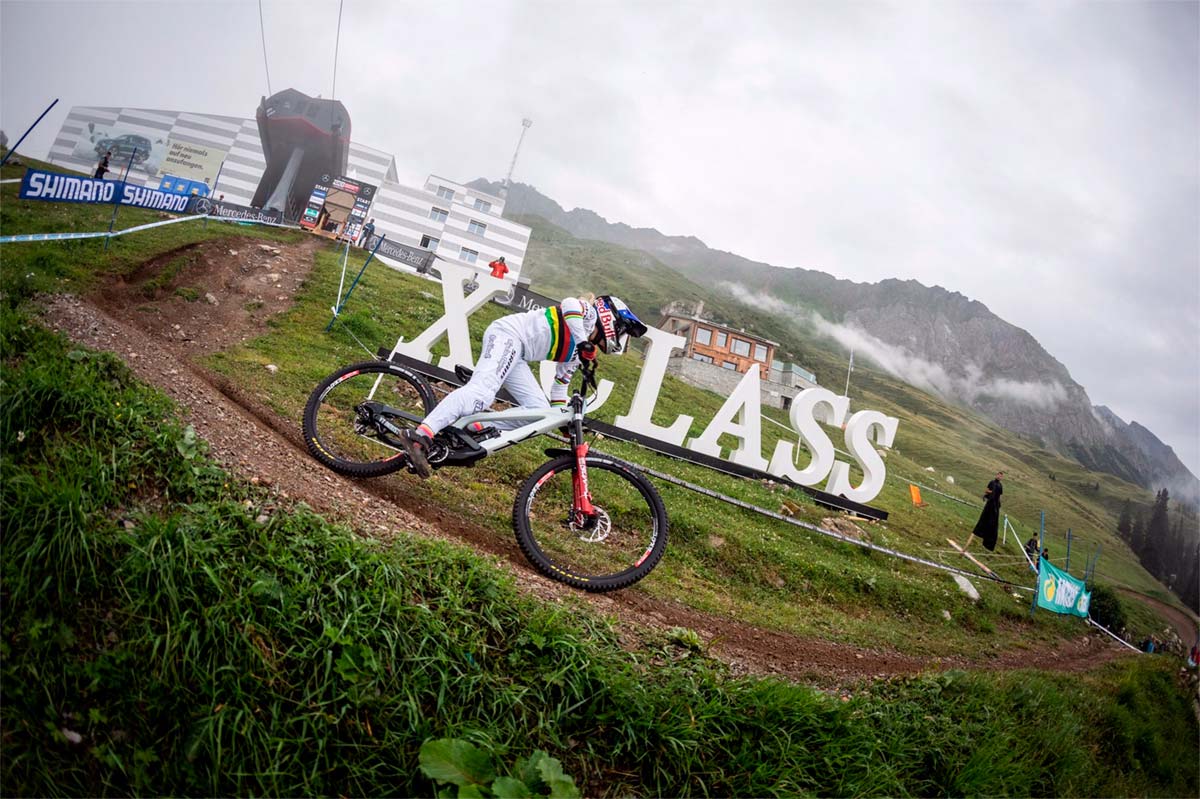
pixel 438 451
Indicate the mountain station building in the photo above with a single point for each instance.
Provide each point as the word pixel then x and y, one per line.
pixel 717 356
pixel 448 218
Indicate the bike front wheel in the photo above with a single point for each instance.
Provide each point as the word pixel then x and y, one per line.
pixel 619 546
pixel 352 417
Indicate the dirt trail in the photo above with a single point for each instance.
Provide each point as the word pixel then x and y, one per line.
pixel 1185 624
pixel 159 331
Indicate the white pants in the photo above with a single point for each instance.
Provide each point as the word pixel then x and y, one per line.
pixel 501 364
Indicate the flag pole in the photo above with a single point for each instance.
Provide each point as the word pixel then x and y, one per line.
pixel 849 369
pixel 117 202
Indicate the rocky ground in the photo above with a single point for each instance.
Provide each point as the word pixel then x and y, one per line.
pixel 229 290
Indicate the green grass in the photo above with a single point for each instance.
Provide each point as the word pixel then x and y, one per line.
pixel 168 630
pixel 719 559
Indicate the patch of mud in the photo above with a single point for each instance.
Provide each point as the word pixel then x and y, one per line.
pixel 159 331
pixel 210 295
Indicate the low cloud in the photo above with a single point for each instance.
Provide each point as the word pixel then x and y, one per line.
pixel 969 386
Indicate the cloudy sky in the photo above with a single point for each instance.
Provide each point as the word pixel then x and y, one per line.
pixel 1041 158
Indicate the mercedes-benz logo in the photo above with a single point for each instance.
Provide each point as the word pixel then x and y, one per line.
pixel 204 206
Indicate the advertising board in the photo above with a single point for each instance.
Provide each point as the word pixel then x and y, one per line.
pixel 147 150
pixel 196 162
pixel 39 184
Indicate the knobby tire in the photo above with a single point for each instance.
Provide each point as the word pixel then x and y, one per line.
pixel 329 418
pixel 634 544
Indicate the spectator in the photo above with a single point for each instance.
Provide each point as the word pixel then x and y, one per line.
pixel 368 230
pixel 102 167
pixel 988 526
pixel 499 268
pixel 1031 547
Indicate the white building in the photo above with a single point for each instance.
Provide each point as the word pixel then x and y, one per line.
pixel 454 221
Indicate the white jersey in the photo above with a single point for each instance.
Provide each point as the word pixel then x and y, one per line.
pixel 553 334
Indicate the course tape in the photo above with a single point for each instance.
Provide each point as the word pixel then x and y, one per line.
pixel 105 234
pixel 1115 637
pixel 822 531
pixel 12 180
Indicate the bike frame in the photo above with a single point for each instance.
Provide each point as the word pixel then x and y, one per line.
pixel 537 421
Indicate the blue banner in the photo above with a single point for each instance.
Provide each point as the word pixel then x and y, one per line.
pixel 57 187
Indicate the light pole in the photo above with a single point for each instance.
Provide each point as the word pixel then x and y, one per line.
pixel 525 125
pixel 849 369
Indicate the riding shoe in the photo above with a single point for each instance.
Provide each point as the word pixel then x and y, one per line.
pixel 416 446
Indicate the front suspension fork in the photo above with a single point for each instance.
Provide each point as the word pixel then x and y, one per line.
pixel 581 509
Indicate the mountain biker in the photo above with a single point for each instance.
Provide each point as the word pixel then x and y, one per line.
pixel 568 333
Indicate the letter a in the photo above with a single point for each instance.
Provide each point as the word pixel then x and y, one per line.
pixel 744 404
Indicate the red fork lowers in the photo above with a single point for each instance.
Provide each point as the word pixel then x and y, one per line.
pixel 583 497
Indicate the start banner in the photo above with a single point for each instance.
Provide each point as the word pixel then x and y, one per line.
pixel 39 184
pixel 1060 592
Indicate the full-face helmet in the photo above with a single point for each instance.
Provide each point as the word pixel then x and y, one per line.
pixel 615 323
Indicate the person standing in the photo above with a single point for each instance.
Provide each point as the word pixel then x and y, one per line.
pixel 368 230
pixel 988 526
pixel 102 167
pixel 499 268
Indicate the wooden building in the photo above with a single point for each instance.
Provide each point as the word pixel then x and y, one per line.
pixel 709 342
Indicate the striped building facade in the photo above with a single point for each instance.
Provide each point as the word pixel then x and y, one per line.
pixel 456 222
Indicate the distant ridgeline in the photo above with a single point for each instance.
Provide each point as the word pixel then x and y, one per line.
pixel 943 328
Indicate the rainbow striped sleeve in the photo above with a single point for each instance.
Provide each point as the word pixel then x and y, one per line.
pixel 562 343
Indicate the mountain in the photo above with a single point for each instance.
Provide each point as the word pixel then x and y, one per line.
pixel 935 339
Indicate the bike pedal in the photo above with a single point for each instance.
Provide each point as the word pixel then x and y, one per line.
pixel 485 434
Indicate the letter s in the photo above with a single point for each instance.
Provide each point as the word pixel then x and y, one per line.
pixel 858 440
pixel 809 407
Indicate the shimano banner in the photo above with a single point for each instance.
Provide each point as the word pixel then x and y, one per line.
pixel 1060 592
pixel 56 187
pixel 223 210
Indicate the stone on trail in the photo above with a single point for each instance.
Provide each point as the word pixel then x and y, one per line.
pixel 966 587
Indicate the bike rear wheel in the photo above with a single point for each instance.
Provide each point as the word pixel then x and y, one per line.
pixel 347 418
pixel 623 546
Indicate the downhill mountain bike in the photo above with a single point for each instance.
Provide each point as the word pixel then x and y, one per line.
pixel 583 518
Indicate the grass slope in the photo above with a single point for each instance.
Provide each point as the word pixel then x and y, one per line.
pixel 956 442
pixel 168 630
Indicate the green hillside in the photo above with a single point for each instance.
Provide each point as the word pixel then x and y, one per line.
pixel 955 441
pixel 171 629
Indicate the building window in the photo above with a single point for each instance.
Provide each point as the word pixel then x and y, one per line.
pixel 701 358
pixel 760 352
pixel 722 338
pixel 429 242
pixel 786 403
pixel 445 193
pixel 469 256
pixel 438 214
pixel 483 205
pixel 703 335
pixel 478 228
pixel 729 365
pixel 741 347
